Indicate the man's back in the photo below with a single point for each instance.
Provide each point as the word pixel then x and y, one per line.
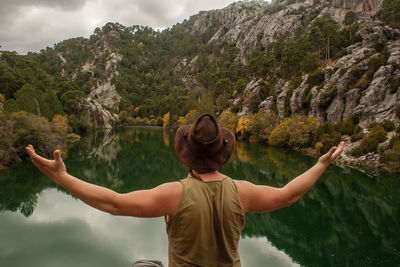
pixel 206 227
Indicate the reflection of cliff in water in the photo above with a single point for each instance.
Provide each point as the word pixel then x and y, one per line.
pixel 347 219
pixel 94 159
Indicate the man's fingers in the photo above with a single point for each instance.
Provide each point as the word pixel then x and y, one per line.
pixel 57 156
pixel 338 151
pixel 34 156
pixel 330 152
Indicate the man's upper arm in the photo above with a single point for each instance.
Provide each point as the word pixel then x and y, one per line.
pixel 159 201
pixel 261 198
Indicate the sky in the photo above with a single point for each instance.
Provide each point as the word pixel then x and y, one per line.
pixel 31 25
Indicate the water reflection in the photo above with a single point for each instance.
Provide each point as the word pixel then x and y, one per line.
pixel 348 219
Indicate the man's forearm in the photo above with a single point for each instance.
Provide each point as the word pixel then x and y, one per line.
pixel 96 196
pixel 304 182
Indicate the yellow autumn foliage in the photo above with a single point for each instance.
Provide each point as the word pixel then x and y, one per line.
pixel 60 124
pixel 228 120
pixel 295 131
pixel 166 120
pixel 190 117
pixel 243 125
pixel 261 125
pixel 181 120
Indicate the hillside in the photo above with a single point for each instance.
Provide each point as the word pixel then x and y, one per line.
pixel 252 63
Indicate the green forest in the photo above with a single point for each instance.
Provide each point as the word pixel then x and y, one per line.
pixel 167 78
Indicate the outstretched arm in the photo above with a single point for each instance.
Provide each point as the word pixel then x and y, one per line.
pixel 258 198
pixel 159 201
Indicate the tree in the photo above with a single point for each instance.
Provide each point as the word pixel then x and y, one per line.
pixel 349 19
pixel 390 13
pixel 228 120
pixel 73 101
pixel 27 99
pixel 295 131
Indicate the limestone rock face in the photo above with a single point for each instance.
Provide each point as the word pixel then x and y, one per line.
pixel 101 117
pixel 369 6
pixel 280 100
pixel 298 96
pixel 252 90
pixel 267 104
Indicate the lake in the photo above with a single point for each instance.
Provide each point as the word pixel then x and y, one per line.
pixel 349 218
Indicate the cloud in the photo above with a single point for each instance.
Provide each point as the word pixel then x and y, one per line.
pixel 30 25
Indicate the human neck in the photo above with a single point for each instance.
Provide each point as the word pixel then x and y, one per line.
pixel 208 176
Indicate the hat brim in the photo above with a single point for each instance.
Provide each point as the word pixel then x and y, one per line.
pixel 203 163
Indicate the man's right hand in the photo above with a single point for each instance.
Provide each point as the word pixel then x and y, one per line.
pixel 52 168
pixel 331 155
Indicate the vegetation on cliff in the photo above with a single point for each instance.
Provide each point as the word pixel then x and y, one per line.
pixel 175 74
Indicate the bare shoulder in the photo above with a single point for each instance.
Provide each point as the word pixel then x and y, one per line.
pixel 243 185
pixel 244 188
pixel 171 189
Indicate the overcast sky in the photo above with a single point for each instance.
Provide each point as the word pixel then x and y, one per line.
pixel 30 25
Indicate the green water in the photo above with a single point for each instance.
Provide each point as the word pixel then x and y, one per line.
pixel 349 218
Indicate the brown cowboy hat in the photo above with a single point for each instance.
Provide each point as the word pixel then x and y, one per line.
pixel 204 146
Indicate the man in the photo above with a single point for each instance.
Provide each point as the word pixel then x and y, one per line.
pixel 205 212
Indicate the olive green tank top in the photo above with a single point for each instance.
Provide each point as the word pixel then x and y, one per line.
pixel 206 227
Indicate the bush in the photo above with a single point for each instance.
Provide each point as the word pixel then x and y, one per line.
pixel 390 12
pixel 328 98
pixel 23 128
pixel 243 127
pixel 356 136
pixel 295 131
pixel 394 82
pixel 326 135
pixel 316 77
pixel 378 133
pixel 392 157
pixel 370 142
pixel 398 111
pixel 347 127
pixel 228 120
pixel 261 125
pixel 354 75
pixel 388 125
pixel 189 117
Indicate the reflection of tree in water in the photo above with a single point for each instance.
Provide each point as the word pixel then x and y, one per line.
pixel 347 219
pixel 29 206
pixel 19 188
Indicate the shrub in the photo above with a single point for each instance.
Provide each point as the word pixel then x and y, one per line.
pixel 356 136
pixel 190 117
pixel 295 131
pixel 347 127
pixel 228 120
pixel 354 75
pixel 398 111
pixel 328 98
pixel 394 82
pixel 327 136
pixel 316 77
pixel 388 125
pixel 243 127
pixel 390 12
pixel 370 142
pixel 392 157
pixel 261 125
pixel 378 133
